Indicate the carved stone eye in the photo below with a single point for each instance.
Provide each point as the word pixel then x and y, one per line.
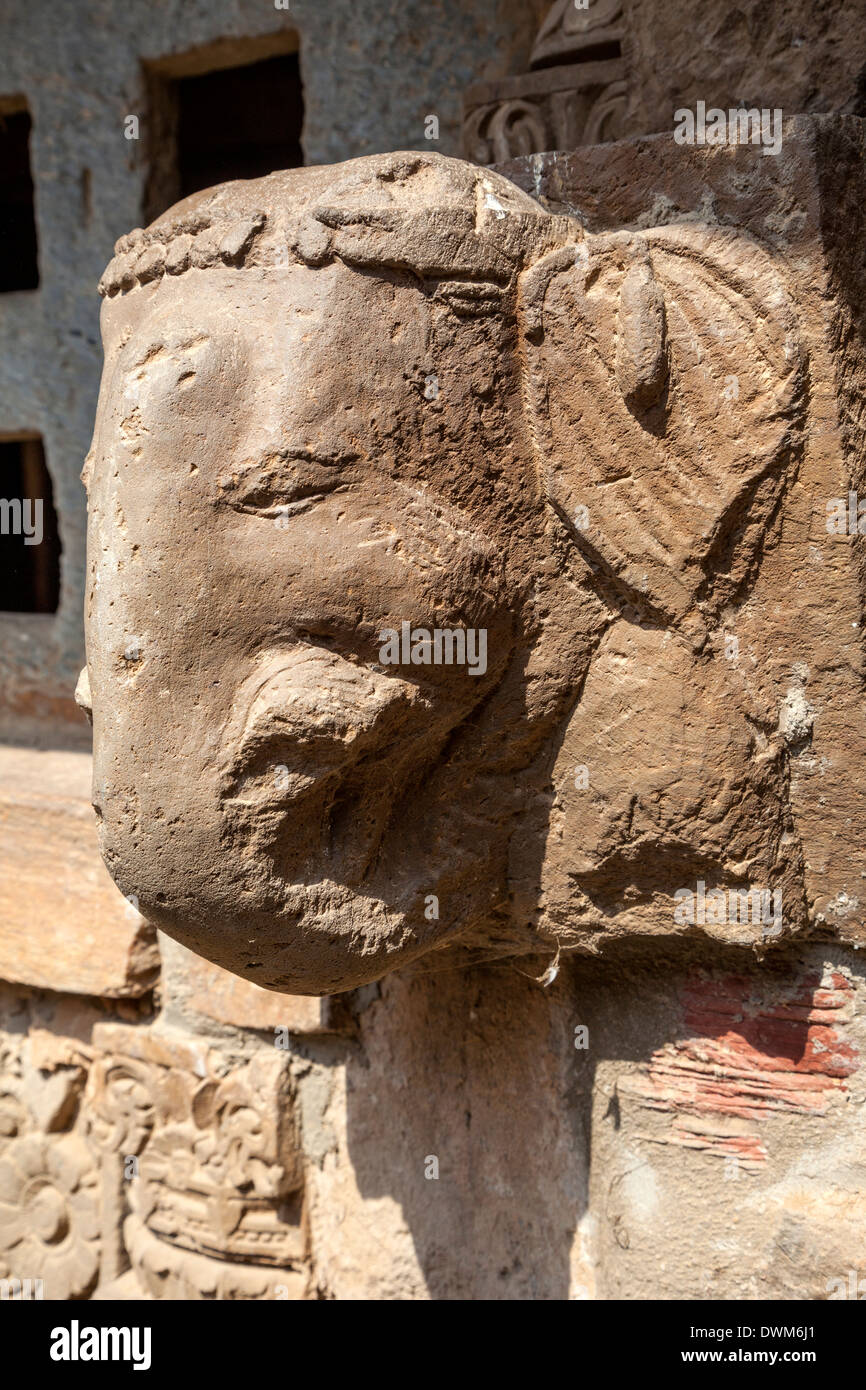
pixel 281 482
pixel 470 298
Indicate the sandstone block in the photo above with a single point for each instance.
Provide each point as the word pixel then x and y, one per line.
pixel 63 924
pixel 784 645
pixel 196 988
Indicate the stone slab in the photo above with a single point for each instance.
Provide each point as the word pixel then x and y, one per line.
pixel 63 924
pixel 196 987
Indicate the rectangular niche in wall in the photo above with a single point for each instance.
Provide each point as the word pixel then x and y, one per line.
pixel 29 537
pixel 19 267
pixel 235 112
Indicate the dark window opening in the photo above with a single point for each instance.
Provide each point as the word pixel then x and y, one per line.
pixel 19 267
pixel 239 123
pixel 29 536
pixel 233 123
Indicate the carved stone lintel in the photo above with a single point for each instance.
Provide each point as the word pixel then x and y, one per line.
pixel 575 93
pixel 553 109
pixel 571 30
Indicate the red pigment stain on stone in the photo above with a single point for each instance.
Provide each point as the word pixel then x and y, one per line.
pixel 752 1048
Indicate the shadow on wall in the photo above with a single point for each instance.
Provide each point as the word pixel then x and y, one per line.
pixel 468 1106
pixel 710 1096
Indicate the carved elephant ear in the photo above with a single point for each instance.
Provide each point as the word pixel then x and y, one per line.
pixel 665 385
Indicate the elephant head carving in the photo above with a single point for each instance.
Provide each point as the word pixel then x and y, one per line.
pixel 388 462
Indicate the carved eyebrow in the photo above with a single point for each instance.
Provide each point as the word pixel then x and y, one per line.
pixel 264 469
pixel 157 352
pixel 293 453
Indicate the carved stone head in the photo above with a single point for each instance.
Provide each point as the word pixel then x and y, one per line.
pixel 408 501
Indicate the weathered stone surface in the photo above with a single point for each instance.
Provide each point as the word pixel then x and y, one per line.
pixel 650 409
pixel 727 1128
pixel 612 68
pixel 790 54
pixel 780 670
pixel 717 1098
pixel 63 925
pixel 90 183
pixel 683 1128
pixel 420 60
pixel 447 1156
pixel 322 498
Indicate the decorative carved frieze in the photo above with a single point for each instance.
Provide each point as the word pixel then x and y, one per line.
pixel 49 1206
pixel 574 93
pixel 153 1149
pixel 49 1183
pixel 164 1271
pixel 573 31
pixel 207 1155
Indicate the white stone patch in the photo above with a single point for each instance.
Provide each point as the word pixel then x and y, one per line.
pixel 843 905
pixel 796 716
pixel 640 1191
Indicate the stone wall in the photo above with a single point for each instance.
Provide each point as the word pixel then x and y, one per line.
pixel 444 1136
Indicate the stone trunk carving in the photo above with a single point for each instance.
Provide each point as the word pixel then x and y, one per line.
pixel 351 415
